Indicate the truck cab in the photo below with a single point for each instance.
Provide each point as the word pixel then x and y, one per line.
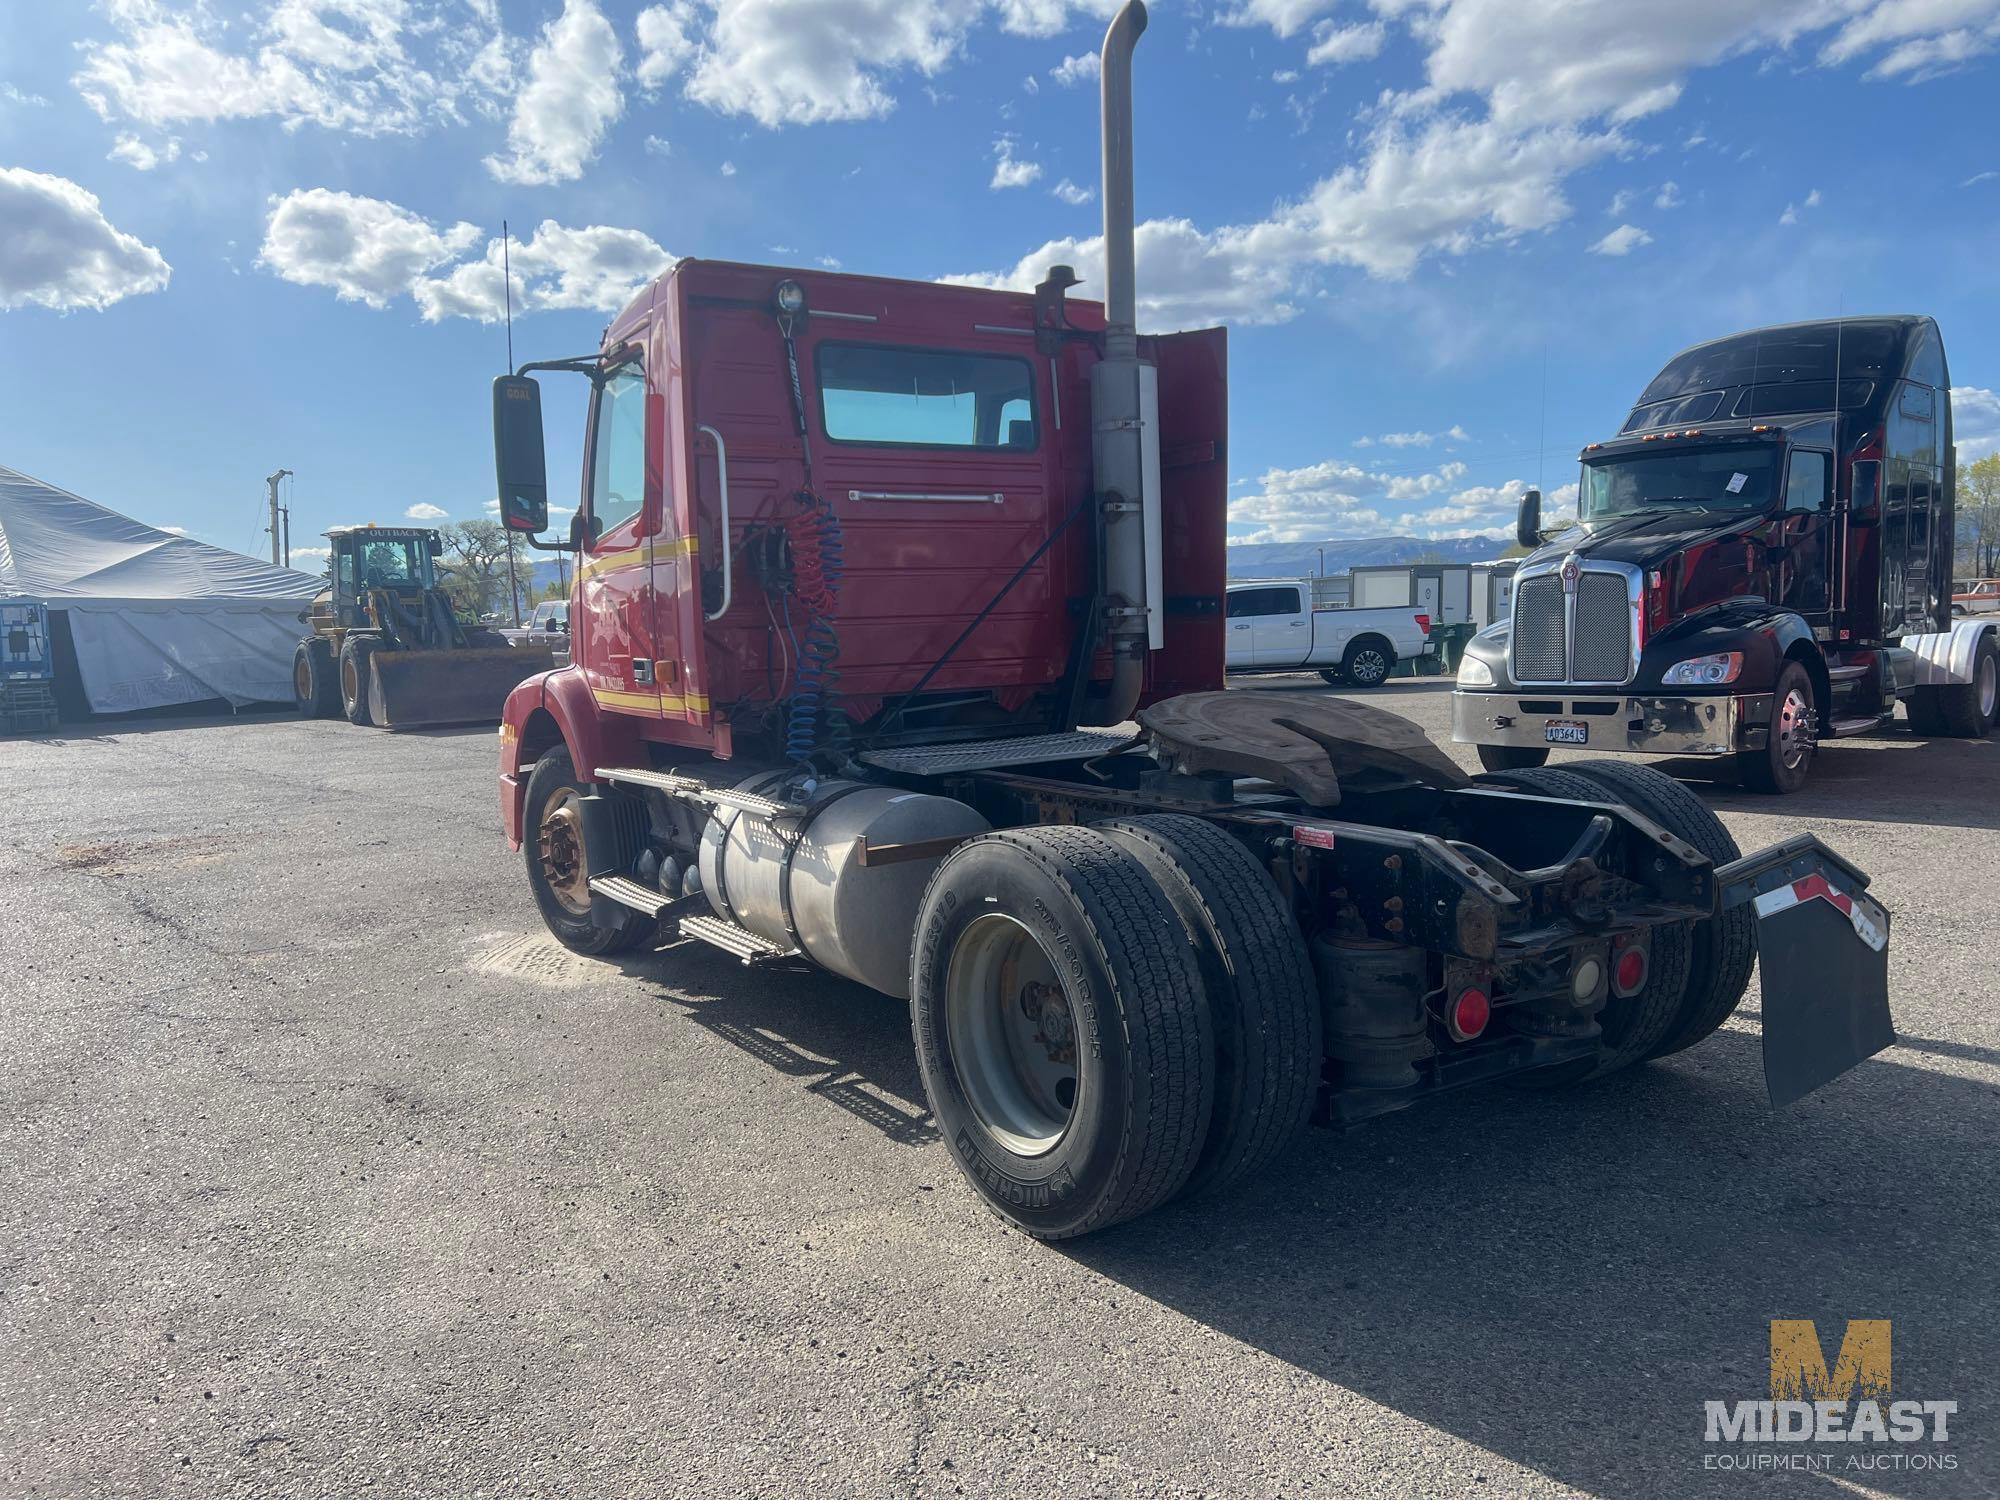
pixel 1760 561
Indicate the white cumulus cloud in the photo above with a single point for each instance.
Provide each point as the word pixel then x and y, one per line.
pixel 1008 170
pixel 571 99
pixel 801 62
pixel 1334 45
pixel 365 249
pixel 1082 68
pixel 59 251
pixel 667 39
pixel 1975 416
pixel 423 510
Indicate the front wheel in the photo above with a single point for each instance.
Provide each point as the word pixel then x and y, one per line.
pixel 1511 757
pixel 1062 1029
pixel 1792 739
pixel 559 863
pixel 356 653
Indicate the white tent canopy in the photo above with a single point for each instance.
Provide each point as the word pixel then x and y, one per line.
pixel 157 619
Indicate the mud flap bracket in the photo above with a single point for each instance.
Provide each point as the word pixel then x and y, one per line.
pixel 1823 954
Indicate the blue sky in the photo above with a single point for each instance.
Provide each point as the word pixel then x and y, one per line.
pixel 1452 237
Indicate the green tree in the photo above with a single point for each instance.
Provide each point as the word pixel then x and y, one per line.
pixel 1979 517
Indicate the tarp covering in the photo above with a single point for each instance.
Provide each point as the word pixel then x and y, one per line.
pixel 157 619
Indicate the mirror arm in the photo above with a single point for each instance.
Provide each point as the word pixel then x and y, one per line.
pixel 580 365
pixel 541 546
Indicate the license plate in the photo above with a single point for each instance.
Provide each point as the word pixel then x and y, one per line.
pixel 1566 732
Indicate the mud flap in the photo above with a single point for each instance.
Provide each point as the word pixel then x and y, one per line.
pixel 413 689
pixel 1823 954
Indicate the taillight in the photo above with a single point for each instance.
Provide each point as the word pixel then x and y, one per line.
pixel 1468 1015
pixel 1424 624
pixel 1628 971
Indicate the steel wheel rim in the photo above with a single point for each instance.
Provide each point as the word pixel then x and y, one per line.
pixel 1011 1035
pixel 350 681
pixel 1989 685
pixel 559 847
pixel 1795 729
pixel 302 678
pixel 1369 667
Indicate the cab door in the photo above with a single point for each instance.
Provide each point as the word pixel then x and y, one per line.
pixel 1283 629
pixel 612 632
pixel 1806 534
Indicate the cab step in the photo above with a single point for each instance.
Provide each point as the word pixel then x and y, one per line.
pixel 689 788
pixel 730 938
pixel 1841 729
pixel 628 892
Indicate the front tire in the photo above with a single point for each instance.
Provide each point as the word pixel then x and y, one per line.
pixel 1368 662
pixel 356 652
pixel 1062 1030
pixel 559 864
pixel 1781 767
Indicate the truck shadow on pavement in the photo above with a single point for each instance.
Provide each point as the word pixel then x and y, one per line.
pixel 1564 1279
pixel 844 1042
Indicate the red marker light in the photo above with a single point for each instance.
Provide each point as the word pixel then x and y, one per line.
pixel 1469 1014
pixel 1424 623
pixel 1629 977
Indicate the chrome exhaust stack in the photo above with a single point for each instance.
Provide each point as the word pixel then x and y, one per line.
pixel 1124 399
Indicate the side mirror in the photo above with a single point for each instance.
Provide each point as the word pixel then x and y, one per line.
pixel 521 470
pixel 1528 524
pixel 434 545
pixel 1864 497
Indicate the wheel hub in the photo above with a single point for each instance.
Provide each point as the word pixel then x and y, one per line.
pixel 1798 729
pixel 559 846
pixel 1012 1035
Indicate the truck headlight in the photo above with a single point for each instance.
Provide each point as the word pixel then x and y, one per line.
pixel 1704 671
pixel 1472 672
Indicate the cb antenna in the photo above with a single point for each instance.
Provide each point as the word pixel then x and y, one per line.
pixel 507 277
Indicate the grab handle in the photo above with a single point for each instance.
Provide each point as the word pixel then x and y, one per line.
pixel 722 480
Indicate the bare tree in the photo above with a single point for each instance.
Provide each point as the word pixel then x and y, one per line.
pixel 474 568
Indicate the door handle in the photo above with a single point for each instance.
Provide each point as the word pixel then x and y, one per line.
pixel 722 482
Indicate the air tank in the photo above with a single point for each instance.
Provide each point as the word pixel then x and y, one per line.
pixel 798 879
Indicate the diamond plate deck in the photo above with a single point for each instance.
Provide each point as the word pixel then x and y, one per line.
pixel 990 755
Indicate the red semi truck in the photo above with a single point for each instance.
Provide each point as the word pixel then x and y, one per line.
pixel 1761 562
pixel 872 578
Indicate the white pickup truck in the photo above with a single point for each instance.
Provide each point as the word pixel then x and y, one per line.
pixel 1273 628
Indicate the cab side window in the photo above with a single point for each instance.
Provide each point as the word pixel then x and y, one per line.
pixel 1272 601
pixel 618 457
pixel 1805 486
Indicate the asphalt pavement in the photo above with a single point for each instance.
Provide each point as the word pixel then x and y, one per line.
pixel 328 1173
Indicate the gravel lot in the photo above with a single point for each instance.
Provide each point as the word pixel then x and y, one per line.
pixel 327 1172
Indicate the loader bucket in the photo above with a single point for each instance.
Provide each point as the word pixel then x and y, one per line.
pixel 416 689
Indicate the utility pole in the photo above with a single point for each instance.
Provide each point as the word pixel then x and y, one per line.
pixel 272 483
pixel 287 514
pixel 513 579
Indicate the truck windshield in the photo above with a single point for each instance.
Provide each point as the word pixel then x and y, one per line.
pixel 392 563
pixel 1737 479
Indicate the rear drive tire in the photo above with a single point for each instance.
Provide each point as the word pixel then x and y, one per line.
pixel 355 654
pixel 315 678
pixel 1721 949
pixel 1967 711
pixel 1511 757
pixel 1368 662
pixel 559 864
pixel 1781 767
pixel 1262 996
pixel 1634 1025
pixel 1062 1030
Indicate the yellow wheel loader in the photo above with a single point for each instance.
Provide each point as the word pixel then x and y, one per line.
pixel 386 647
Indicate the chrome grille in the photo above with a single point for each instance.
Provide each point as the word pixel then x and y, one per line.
pixel 1539 655
pixel 1601 650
